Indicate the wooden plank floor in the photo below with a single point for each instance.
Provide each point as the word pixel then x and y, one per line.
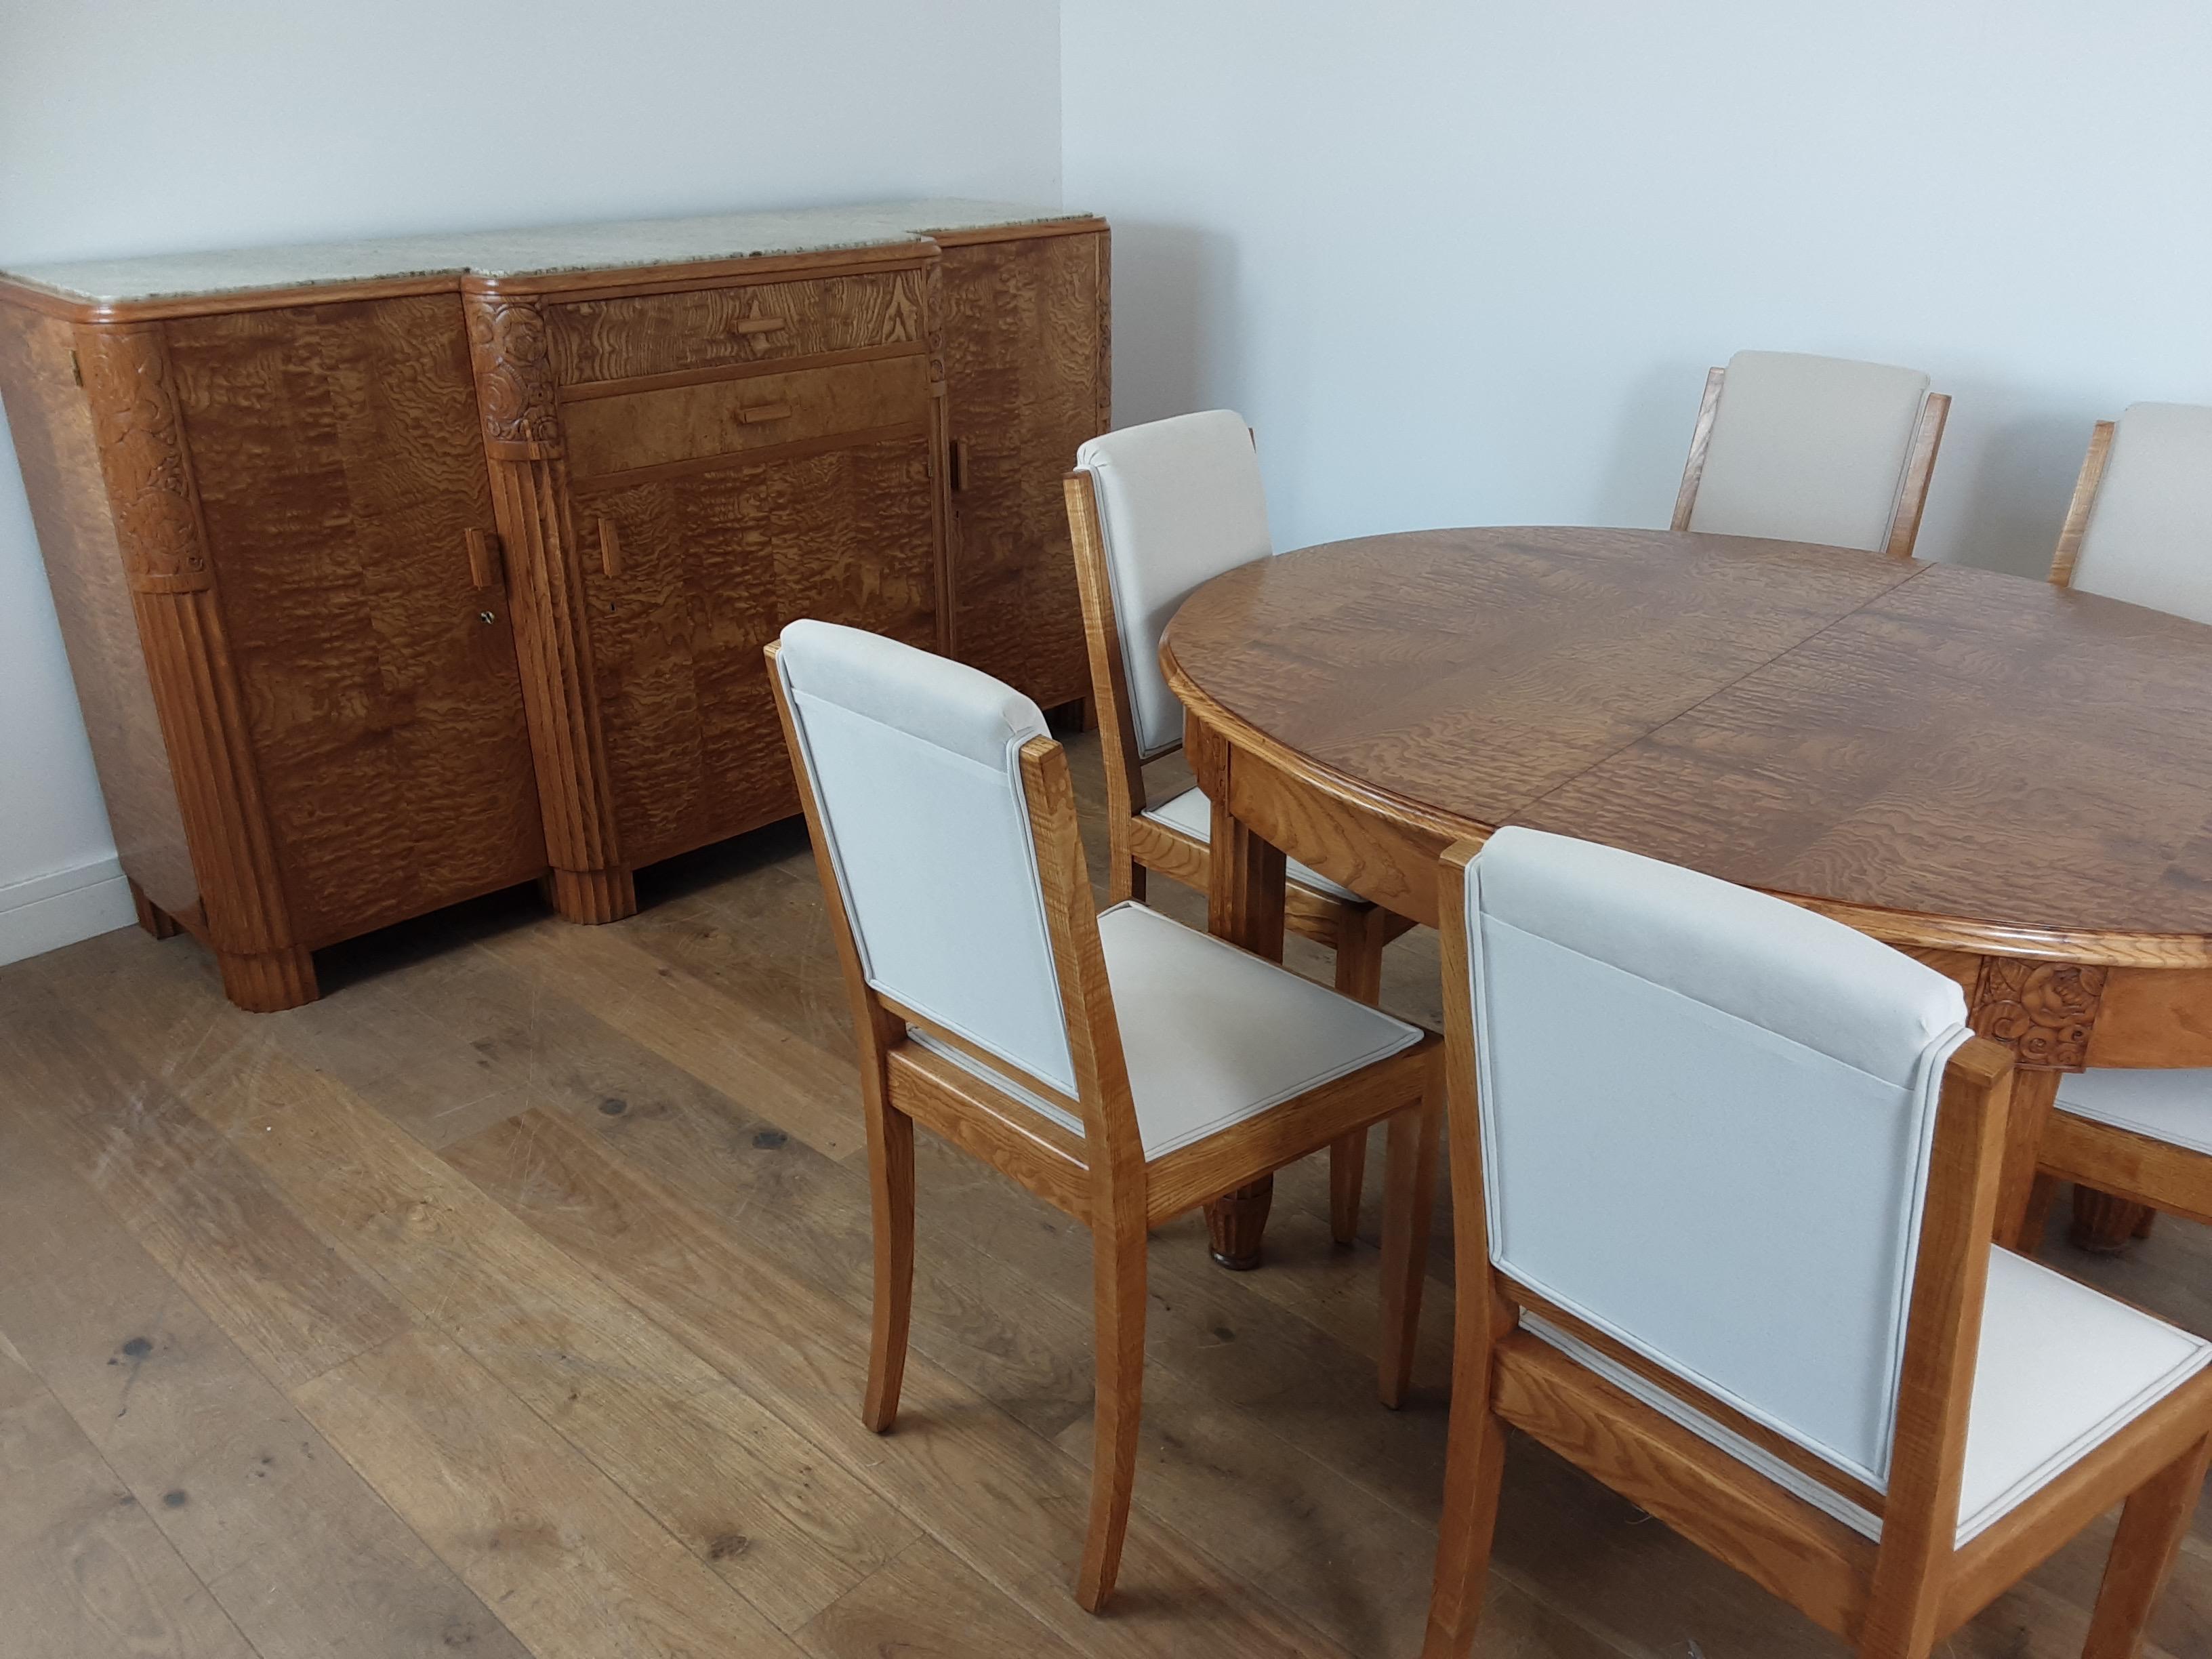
pixel 513 1299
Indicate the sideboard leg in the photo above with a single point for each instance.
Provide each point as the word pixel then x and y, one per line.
pixel 2104 1223
pixel 544 566
pixel 591 896
pixel 268 982
pixel 154 918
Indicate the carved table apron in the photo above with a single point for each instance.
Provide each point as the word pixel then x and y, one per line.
pixel 2011 781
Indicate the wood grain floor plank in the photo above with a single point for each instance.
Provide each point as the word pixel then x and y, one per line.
pixel 750 1057
pixel 787 1528
pixel 84 1572
pixel 569 1562
pixel 745 917
pixel 430 1069
pixel 805 1212
pixel 997 1496
pixel 306 1559
pixel 280 1293
pixel 927 1605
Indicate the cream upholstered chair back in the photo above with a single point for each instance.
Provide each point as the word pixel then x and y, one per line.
pixel 914 761
pixel 1180 502
pixel 1809 449
pixel 1706 1117
pixel 2147 539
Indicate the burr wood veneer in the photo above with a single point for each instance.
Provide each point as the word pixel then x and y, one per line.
pixel 393 575
pixel 2010 780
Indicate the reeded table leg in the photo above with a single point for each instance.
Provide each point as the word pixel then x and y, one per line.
pixel 2104 1223
pixel 1244 905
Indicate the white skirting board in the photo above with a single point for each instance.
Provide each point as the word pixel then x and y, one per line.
pixel 47 912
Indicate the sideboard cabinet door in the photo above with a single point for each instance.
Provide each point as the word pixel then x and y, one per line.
pixel 1026 375
pixel 340 469
pixel 689 577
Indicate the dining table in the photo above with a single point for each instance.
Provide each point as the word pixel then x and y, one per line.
pixel 2007 780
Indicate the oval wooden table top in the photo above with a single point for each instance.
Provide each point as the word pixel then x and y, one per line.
pixel 1947 757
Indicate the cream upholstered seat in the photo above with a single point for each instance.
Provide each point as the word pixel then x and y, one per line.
pixel 1192 814
pixel 1120 1065
pixel 1726 1167
pixel 2061 1369
pixel 1812 449
pixel 1214 1035
pixel 2175 1106
pixel 1155 511
pixel 2139 529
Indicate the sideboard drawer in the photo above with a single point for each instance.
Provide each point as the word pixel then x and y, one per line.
pixel 713 327
pixel 615 436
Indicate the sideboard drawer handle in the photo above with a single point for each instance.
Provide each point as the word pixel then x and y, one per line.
pixel 610 559
pixel 763 412
pixel 484 557
pixel 758 325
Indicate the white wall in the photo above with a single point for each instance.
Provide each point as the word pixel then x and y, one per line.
pixel 1468 264
pixel 143 126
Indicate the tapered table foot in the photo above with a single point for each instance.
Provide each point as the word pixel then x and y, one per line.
pixel 1236 1223
pixel 2104 1223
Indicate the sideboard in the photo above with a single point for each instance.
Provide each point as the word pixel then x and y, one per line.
pixel 393 574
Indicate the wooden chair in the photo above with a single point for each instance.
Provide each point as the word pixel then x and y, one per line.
pixel 1155 511
pixel 1812 449
pixel 1724 1174
pixel 1121 1067
pixel 2139 529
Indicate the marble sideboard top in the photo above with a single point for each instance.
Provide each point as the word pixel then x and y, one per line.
pixel 539 252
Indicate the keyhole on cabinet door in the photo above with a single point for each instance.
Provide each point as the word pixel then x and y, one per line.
pixel 486 618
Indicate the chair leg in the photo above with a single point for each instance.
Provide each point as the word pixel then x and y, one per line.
pixel 891 1180
pixel 1118 1315
pixel 1347 1173
pixel 1473 1468
pixel 2152 1526
pixel 1125 881
pixel 1359 977
pixel 1409 1191
pixel 2021 1187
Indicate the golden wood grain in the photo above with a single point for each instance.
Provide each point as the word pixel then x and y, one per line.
pixel 1934 753
pixel 1024 322
pixel 319 561
pixel 710 327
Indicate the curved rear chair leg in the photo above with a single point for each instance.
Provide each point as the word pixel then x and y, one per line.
pixel 1118 1311
pixel 1474 1465
pixel 1347 1173
pixel 1409 1192
pixel 2152 1525
pixel 891 1179
pixel 1359 977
